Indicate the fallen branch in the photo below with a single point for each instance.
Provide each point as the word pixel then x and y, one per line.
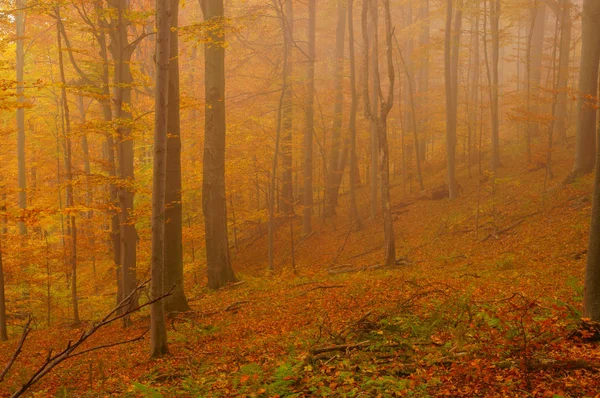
pixel 339 347
pixel 304 293
pixel 15 355
pixel 52 361
pixel 510 227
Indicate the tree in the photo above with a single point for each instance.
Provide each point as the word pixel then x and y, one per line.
pixel 122 50
pixel 67 145
pixel 451 47
pixel 493 79
pixel 585 149
pixel 354 216
pixel 309 127
pixel 381 121
pixel 535 53
pixel 374 82
pixel 158 329
pixel 214 204
pixel 3 332
pixel 22 172
pixel 173 206
pixel 334 169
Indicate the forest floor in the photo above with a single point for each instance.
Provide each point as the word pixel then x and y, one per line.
pixel 486 311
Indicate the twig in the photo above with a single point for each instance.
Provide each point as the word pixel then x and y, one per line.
pixel 15 355
pixel 319 287
pixel 340 347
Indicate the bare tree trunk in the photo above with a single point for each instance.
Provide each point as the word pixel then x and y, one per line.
pixel 334 173
pixel 452 41
pixel 381 121
pixel 158 328
pixel 69 172
pixel 287 197
pixel 591 295
pixel 354 215
pixel 122 51
pixel 374 82
pixel 423 84
pixel 20 66
pixel 3 331
pixel 493 82
pixel 536 57
pixel 173 275
pixel 588 90
pixel 214 203
pixel 560 126
pixel 473 86
pixel 309 128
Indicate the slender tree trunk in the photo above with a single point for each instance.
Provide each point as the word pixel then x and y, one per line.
pixel 287 197
pixel 495 32
pixel 158 328
pixel 122 51
pixel 334 173
pixel 354 215
pixel 588 89
pixel 22 172
pixel 423 83
pixel 3 330
pixel 374 83
pixel 474 85
pixel 309 128
pixel 214 203
pixel 452 41
pixel 535 72
pixel 173 206
pixel 72 231
pixel 560 126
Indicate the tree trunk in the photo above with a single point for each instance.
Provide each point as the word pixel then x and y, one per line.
pixel 173 205
pixel 374 82
pixel 309 128
pixel 451 47
pixel 536 58
pixel 3 331
pixel 214 203
pixel 381 121
pixel 20 66
pixel 158 328
pixel 585 151
pixel 560 126
pixel 473 85
pixel 66 120
pixel 334 172
pixel 495 32
pixel 354 215
pixel 591 295
pixel 122 51
pixel 423 83
pixel 287 197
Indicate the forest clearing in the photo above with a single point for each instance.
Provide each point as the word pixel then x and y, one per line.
pixel 284 198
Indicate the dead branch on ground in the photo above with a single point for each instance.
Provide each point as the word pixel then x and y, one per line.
pixel 15 355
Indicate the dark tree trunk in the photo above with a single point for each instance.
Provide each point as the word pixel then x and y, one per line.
pixel 214 203
pixel 560 126
pixel 173 205
pixel 354 215
pixel 122 51
pixel 585 151
pixel 158 329
pixel 310 122
pixel 20 66
pixel 334 176
pixel 66 123
pixel 287 197
pixel 3 331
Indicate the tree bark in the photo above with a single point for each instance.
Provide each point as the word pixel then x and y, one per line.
pixel 309 128
pixel 536 58
pixel 66 123
pixel 334 172
pixel 158 330
pixel 173 196
pixel 122 51
pixel 374 82
pixel 3 330
pixel 354 215
pixel 214 203
pixel 495 33
pixel 585 151
pixel 20 66
pixel 560 127
pixel 287 196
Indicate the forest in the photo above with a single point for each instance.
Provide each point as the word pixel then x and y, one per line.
pixel 297 198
